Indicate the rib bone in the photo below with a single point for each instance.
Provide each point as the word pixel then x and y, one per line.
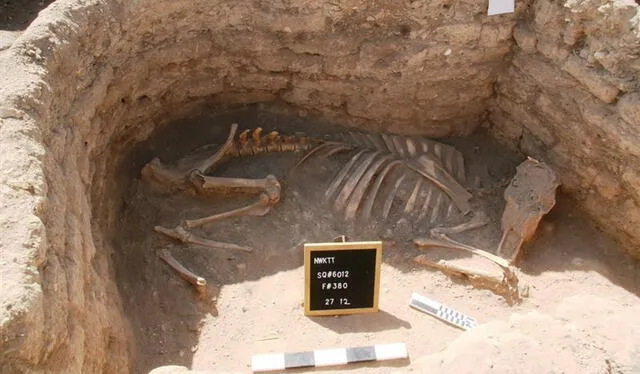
pixel 212 161
pixel 431 169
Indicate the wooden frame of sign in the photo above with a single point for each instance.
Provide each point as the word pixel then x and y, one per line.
pixel 341 278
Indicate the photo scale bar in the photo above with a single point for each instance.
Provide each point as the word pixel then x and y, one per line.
pixel 444 313
pixel 328 357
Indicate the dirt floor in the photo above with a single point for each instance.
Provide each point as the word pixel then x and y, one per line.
pixel 254 303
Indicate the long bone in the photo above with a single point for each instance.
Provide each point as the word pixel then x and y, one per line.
pixel 217 157
pixel 259 208
pixel 269 188
pixel 506 286
pixel 498 284
pixel 184 236
pixel 446 242
pixel 479 219
pixel 269 196
pixel 197 281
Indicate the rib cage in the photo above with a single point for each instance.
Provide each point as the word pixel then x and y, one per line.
pixel 382 167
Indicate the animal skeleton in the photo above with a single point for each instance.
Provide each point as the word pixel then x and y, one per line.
pixel 435 171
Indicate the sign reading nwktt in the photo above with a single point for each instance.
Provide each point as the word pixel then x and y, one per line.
pixel 342 278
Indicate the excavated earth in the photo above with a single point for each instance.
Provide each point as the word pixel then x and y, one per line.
pixel 93 90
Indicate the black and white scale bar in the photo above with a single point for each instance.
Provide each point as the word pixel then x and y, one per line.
pixel 429 306
pixel 328 357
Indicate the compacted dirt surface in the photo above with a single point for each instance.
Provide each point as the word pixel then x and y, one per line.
pixel 581 313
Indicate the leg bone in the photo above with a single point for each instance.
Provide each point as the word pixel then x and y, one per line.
pixel 198 282
pixel 447 242
pixel 498 284
pixel 479 219
pixel 269 197
pixel 259 208
pixel 507 286
pixel 205 183
pixel 184 236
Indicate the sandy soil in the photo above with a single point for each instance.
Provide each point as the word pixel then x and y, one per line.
pixel 254 304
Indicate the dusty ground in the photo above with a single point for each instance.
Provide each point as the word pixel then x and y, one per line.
pixel 254 305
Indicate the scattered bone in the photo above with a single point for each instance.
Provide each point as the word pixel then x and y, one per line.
pixel 530 195
pixel 341 239
pixel 198 282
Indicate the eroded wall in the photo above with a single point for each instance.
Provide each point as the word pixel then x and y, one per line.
pixel 60 310
pixel 422 66
pixel 570 95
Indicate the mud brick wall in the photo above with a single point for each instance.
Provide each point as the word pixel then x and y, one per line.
pixel 420 66
pixel 570 95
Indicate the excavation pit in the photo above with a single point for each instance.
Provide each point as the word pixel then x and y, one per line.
pixel 94 91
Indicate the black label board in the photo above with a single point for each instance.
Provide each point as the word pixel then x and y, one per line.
pixel 342 278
